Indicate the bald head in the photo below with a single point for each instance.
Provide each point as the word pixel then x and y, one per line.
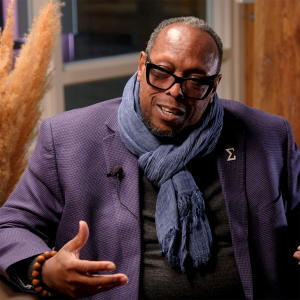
pixel 191 22
pixel 184 42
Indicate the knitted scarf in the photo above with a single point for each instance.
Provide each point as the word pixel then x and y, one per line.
pixel 181 223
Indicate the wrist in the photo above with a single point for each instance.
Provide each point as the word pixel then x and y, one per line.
pixel 37 281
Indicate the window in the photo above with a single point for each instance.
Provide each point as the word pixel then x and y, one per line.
pixel 101 41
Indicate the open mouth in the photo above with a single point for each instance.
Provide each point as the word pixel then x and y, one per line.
pixel 171 111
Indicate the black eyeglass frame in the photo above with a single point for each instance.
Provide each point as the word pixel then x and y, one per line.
pixel 210 80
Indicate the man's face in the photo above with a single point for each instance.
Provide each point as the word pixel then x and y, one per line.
pixel 186 52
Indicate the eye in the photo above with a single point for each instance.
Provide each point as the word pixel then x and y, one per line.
pixel 195 85
pixel 159 74
pixel 194 80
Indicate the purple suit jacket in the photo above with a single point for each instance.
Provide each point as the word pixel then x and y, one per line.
pixel 66 182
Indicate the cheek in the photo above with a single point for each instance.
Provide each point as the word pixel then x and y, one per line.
pixel 145 101
pixel 197 110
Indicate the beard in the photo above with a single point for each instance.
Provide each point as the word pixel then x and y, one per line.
pixel 173 136
pixel 168 136
pixel 158 132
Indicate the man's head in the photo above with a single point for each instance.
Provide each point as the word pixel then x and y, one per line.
pixel 188 48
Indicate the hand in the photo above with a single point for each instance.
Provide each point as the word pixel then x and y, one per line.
pixel 297 255
pixel 65 273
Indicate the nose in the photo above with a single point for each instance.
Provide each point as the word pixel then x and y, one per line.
pixel 175 91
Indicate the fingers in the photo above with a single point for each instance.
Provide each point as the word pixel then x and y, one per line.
pixel 104 280
pixel 87 285
pixel 297 255
pixel 102 283
pixel 80 239
pixel 67 274
pixel 88 267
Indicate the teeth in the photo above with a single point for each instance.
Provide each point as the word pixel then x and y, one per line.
pixel 167 111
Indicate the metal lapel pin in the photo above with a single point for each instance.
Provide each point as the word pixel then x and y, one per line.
pixel 230 152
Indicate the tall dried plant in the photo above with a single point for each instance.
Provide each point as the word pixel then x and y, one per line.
pixel 22 89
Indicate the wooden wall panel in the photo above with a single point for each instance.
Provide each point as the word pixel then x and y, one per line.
pixel 249 49
pixel 277 59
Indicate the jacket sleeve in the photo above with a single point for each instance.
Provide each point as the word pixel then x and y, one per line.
pixel 29 219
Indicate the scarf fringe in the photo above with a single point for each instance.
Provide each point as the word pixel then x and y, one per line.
pixel 192 216
pixel 191 209
pixel 200 261
pixel 168 248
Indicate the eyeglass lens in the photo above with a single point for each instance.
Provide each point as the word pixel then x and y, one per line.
pixel 164 81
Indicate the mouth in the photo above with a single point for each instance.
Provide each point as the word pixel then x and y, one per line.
pixel 171 111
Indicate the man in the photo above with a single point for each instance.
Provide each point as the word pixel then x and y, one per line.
pixel 221 179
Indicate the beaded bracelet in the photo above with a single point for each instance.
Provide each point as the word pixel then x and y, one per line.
pixel 36 274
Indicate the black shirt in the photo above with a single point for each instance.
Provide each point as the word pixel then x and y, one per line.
pixel 220 278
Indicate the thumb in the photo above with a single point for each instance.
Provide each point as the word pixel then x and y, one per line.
pixel 79 240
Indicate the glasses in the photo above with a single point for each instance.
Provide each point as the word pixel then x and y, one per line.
pixel 195 88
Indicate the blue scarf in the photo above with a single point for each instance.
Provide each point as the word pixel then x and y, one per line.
pixel 181 223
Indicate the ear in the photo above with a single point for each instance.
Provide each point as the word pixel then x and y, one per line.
pixel 141 67
pixel 215 88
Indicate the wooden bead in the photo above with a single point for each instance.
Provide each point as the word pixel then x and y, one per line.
pixel 36 282
pixel 35 274
pixel 38 289
pixel 40 259
pixel 47 254
pixel 37 266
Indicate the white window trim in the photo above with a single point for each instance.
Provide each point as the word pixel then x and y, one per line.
pixel 100 68
pixel 228 22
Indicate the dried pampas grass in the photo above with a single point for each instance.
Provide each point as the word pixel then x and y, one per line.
pixel 22 89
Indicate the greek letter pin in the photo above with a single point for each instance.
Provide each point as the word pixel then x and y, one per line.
pixel 230 152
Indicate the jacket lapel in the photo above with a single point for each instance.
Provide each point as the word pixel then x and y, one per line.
pixel 231 168
pixel 125 195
